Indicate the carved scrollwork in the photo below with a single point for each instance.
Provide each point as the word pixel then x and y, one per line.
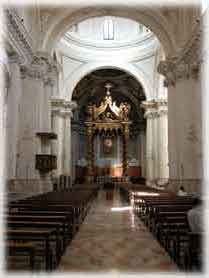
pixel 108 110
pixel 18 34
pixel 155 108
pixel 124 111
pixel 186 64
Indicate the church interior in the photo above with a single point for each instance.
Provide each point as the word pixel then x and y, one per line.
pixel 101 124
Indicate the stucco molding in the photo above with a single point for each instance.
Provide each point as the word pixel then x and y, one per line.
pixel 18 35
pixel 41 67
pixel 186 64
pixel 62 107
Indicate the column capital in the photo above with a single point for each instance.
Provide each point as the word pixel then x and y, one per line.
pixel 149 104
pixel 36 69
pixel 62 107
pixel 150 109
pixel 41 66
pixel 162 105
pixel 66 113
pixel 49 81
pixel 186 63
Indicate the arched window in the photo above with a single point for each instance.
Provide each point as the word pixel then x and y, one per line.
pixel 140 28
pixel 108 29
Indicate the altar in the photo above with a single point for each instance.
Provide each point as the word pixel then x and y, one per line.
pixel 107 129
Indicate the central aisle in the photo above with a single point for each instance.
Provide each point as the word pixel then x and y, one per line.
pixel 112 238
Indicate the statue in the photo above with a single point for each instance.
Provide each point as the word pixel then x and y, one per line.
pixel 89 111
pixel 124 110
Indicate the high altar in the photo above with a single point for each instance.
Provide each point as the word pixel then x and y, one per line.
pixel 107 129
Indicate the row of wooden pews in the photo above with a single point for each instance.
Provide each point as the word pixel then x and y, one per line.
pixel 165 215
pixel 39 228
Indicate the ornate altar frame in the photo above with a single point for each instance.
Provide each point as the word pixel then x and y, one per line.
pixel 108 117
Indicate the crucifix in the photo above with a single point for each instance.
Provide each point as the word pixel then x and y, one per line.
pixel 108 86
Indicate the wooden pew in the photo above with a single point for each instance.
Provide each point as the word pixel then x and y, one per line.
pixel 20 249
pixel 44 236
pixel 48 217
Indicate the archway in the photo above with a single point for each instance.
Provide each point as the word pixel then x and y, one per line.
pixel 153 19
pixel 72 81
pixel 124 89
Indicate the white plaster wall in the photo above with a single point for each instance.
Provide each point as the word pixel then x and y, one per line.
pixel 147 66
pixel 70 65
pixel 13 103
pixel 29 124
pixel 3 111
pixel 60 142
pixel 92 28
pixel 205 101
pixel 143 153
pixel 184 130
pixel 76 76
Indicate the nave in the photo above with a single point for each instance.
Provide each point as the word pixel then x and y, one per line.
pixel 92 227
pixel 113 238
pixel 94 96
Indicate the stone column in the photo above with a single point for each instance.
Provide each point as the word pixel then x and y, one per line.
pixel 5 83
pixel 163 170
pixel 58 128
pixel 14 95
pixel 125 149
pixel 150 114
pixel 67 142
pixel 184 115
pixel 90 150
pixel 46 107
pixel 143 153
pixel 56 145
pixel 68 107
pixel 30 119
pixel 155 133
pixel 30 114
pixel 75 149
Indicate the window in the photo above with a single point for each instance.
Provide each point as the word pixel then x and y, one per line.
pixel 140 28
pixel 108 29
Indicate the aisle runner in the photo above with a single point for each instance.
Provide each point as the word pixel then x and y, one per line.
pixel 111 237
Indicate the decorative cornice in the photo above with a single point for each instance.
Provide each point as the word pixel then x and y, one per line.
pixel 70 105
pixel 66 113
pixel 18 35
pixel 41 67
pixel 57 102
pixel 49 81
pixel 186 64
pixel 151 115
pixel 62 107
pixel 155 108
pixel 33 72
pixel 147 105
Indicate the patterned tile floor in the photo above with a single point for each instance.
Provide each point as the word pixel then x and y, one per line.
pixel 112 238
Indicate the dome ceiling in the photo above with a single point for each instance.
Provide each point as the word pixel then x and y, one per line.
pixel 108 29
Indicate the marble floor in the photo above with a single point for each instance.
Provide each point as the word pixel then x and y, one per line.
pixel 112 238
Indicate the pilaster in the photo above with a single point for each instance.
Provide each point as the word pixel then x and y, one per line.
pixel 184 110
pixel 62 112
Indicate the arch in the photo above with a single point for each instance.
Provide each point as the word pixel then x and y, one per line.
pixel 152 19
pixel 81 72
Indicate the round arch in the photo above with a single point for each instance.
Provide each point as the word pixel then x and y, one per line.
pixel 153 19
pixel 81 72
